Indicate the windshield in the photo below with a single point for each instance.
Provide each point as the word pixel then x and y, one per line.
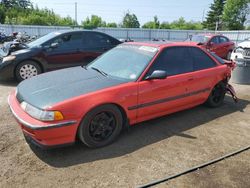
pixel 200 38
pixel 41 40
pixel 125 62
pixel 2 53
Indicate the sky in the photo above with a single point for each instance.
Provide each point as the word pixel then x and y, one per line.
pixel 114 10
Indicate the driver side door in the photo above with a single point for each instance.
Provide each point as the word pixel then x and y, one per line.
pixel 163 96
pixel 67 53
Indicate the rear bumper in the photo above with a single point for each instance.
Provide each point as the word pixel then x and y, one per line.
pixel 43 134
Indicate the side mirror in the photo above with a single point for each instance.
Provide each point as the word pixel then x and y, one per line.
pixel 54 45
pixel 157 74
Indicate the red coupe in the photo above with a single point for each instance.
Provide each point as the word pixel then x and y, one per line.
pixel 131 83
pixel 218 44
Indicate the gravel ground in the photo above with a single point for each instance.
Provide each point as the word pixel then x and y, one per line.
pixel 147 152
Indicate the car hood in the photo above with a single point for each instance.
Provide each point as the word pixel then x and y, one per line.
pixel 43 91
pixel 10 47
pixel 245 44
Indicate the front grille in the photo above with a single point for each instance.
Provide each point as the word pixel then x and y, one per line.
pixel 246 53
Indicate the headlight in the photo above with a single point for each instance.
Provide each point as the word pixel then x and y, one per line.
pixel 9 58
pixel 239 50
pixel 41 114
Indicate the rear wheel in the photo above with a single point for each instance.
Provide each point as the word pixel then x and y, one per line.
pixel 217 95
pixel 101 126
pixel 27 69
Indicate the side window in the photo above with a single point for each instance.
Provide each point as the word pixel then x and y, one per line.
pixel 223 40
pixel 92 40
pixel 201 59
pixel 175 60
pixel 215 40
pixel 67 41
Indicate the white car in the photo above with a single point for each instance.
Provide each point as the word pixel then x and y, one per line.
pixel 242 51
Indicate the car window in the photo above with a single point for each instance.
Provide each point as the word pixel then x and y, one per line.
pixel 93 40
pixel 215 40
pixel 201 59
pixel 125 62
pixel 67 41
pixel 223 40
pixel 221 61
pixel 175 60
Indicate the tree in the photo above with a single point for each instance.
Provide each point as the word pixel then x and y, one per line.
pixel 235 14
pixel 9 3
pixel 24 4
pixel 165 25
pixel 93 22
pixel 114 25
pixel 152 24
pixel 16 3
pixel 214 15
pixel 2 14
pixel 130 21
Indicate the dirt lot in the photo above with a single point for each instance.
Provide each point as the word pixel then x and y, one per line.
pixel 149 151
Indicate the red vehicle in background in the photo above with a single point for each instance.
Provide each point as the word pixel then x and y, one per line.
pixel 218 44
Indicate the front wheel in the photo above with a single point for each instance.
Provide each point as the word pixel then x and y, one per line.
pixel 217 95
pixel 101 126
pixel 27 69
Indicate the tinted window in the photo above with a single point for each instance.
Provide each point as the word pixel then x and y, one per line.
pixel 215 40
pixel 92 40
pixel 67 41
pixel 201 59
pixel 217 58
pixel 223 40
pixel 176 60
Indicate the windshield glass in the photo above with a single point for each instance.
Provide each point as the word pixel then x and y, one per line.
pixel 2 53
pixel 125 62
pixel 200 38
pixel 41 40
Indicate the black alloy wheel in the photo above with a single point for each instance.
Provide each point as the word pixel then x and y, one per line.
pixel 101 126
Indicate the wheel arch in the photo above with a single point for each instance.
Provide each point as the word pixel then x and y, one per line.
pixel 34 60
pixel 122 110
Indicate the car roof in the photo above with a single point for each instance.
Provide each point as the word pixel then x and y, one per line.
pixel 209 34
pixel 76 30
pixel 163 44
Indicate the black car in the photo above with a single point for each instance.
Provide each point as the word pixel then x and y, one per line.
pixel 55 50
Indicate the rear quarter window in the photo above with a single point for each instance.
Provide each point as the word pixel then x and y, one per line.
pixel 220 60
pixel 201 59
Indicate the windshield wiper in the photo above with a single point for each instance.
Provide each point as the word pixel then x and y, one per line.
pixel 100 71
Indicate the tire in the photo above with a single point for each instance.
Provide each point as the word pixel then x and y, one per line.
pixel 101 126
pixel 229 55
pixel 217 95
pixel 27 69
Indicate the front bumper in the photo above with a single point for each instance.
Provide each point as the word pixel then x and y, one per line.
pixel 6 70
pixel 43 134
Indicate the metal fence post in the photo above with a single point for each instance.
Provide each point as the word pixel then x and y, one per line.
pixel 238 34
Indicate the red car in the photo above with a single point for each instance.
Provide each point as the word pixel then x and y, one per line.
pixel 218 44
pixel 131 83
